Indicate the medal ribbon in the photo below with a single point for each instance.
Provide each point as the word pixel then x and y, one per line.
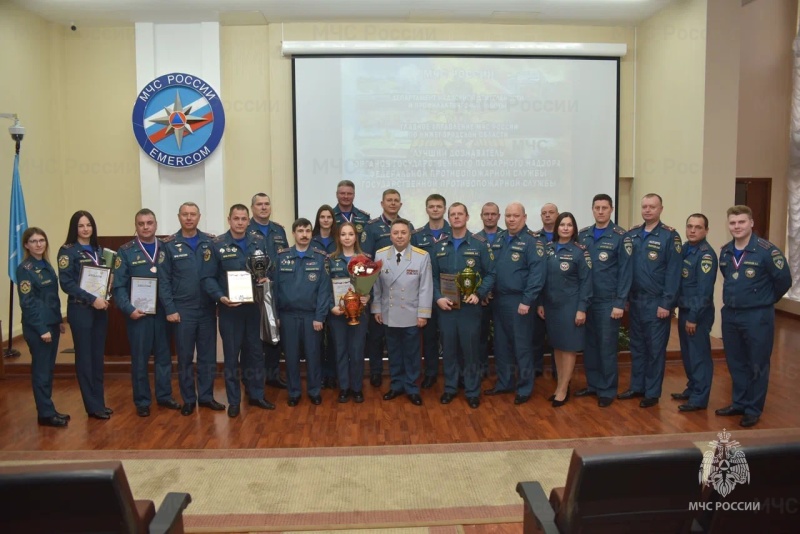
pixel 151 259
pixel 94 257
pixel 345 218
pixel 737 264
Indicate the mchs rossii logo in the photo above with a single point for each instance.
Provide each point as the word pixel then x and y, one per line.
pixel 178 119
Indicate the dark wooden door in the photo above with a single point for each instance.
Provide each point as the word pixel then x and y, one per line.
pixel 757 194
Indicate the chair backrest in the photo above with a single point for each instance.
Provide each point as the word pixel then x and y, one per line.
pixel 774 466
pixel 638 488
pixel 85 497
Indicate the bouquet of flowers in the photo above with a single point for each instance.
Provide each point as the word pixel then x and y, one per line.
pixel 363 273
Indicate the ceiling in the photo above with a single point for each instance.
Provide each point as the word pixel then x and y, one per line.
pixel 236 12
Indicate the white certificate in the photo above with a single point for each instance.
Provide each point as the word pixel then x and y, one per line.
pixel 95 280
pixel 240 286
pixel 340 288
pixel 144 292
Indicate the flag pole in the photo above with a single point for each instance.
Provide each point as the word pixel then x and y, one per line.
pixel 10 351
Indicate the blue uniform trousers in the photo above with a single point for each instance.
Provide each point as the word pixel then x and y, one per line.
pixel 600 352
pixel 328 364
pixel 148 335
pixel 241 349
pixel 513 346
pixel 430 344
pixel 461 337
pixel 348 346
pixel 297 328
pixel 486 336
pixel 403 344
pixel 272 359
pixel 43 361
pixel 376 335
pixel 748 335
pixel 198 328
pixel 539 340
pixel 696 355
pixel 649 337
pixel 88 327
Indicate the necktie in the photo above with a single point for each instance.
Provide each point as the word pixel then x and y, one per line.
pixel 398 258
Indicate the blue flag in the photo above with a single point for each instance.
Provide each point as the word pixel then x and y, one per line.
pixel 17 224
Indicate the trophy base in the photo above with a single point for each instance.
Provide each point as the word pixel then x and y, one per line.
pixel 353 322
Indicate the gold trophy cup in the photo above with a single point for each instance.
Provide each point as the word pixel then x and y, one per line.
pixel 468 282
pixel 350 303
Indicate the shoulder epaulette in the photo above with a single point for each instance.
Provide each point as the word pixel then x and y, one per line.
pixel 637 227
pixel 620 230
pixel 534 234
pixel 582 247
pixel 382 249
pixel 258 235
pixel 219 238
pixel 364 212
pixel 68 245
pixel 373 220
pixel 27 264
pixel 418 230
pixel 319 251
pixel 127 245
pixel 276 223
pixel 211 236
pixel 284 250
pixel 168 238
pixel 586 229
pixel 419 250
pixel 704 246
pixel 479 238
pixel 667 227
pixel 763 243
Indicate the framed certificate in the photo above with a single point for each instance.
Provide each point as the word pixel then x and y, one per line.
pixel 449 289
pixel 144 294
pixel 340 288
pixel 240 286
pixel 96 280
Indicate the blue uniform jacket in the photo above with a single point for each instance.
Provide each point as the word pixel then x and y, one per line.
pixel 657 264
pixel 358 217
pixel 519 265
pixel 302 285
pixel 337 267
pixel 569 276
pixel 482 233
pixel 275 238
pixel 761 279
pixel 376 235
pixel 179 273
pixel 698 274
pixel 38 295
pixel 227 256
pixel 71 258
pixel 611 263
pixel 423 238
pixel 474 252
pixel 316 242
pixel 131 261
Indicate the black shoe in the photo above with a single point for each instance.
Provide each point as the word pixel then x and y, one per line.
pixel 53 420
pixel 729 410
pixel 293 401
pixel 749 420
pixel 277 383
pixel 188 409
pixel 358 396
pixel 415 399
pixel 630 394
pixel 604 402
pixel 264 404
pixel 233 410
pixel 64 416
pixel 376 380
pixel 100 415
pixel 474 402
pixel 537 373
pixel 447 398
pixel 428 382
pixel 679 396
pixel 143 411
pixel 213 405
pixel 551 398
pixel 316 400
pixel 495 391
pixel 560 403
pixel 648 402
pixel 521 399
pixel 585 392
pixel 392 394
pixel 171 404
pixel 107 410
pixel 344 396
pixel 690 408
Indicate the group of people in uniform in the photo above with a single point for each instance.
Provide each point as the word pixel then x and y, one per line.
pixel 561 286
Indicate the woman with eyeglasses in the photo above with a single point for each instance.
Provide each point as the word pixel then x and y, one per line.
pixel 87 314
pixel 42 326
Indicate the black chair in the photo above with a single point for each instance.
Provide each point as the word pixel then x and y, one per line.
pixel 619 489
pixel 91 497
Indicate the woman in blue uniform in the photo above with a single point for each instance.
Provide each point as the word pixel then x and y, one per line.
pixel 322 238
pixel 566 296
pixel 87 315
pixel 42 326
pixel 348 340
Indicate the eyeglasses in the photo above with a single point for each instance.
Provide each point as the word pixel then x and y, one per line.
pixel 37 241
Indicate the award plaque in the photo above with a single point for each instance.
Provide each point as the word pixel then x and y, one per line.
pixel 240 286
pixel 96 280
pixel 144 294
pixel 449 289
pixel 340 288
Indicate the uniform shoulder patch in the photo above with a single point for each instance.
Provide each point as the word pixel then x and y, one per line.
pixel 25 287
pixel 620 230
pixel 479 238
pixel 419 251
pixel 63 261
pixel 585 229
pixel 168 238
pixel 763 243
